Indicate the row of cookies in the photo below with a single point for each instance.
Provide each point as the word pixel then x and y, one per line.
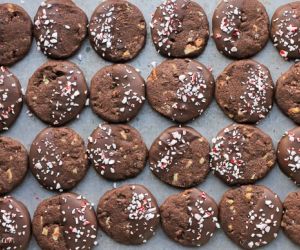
pixel 117 29
pixel 251 216
pixel 179 156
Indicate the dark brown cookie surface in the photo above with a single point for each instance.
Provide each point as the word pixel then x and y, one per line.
pixel 117 93
pixel 287 93
pixel 179 28
pixel 15 33
pixel 11 98
pixel 242 154
pixel 288 154
pixel 15 224
pixel 64 222
pixel 180 157
pixel 180 89
pixel 59 28
pixel 57 92
pixel 285 32
pixel 244 91
pixel 13 164
pixel 291 216
pixel 117 151
pixel 250 215
pixel 240 28
pixel 117 30
pixel 58 158
pixel 128 214
pixel 190 218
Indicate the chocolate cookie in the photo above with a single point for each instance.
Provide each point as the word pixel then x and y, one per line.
pixel 117 93
pixel 291 217
pixel 117 30
pixel 244 91
pixel 15 33
pixel 58 159
pixel 240 28
pixel 242 154
pixel 287 93
pixel 15 224
pixel 128 214
pixel 64 222
pixel 117 151
pixel 57 92
pixel 288 154
pixel 59 28
pixel 179 28
pixel 180 89
pixel 285 32
pixel 190 218
pixel 11 98
pixel 250 215
pixel 180 157
pixel 13 164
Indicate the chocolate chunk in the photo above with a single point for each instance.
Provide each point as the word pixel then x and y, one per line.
pixel 250 215
pixel 128 214
pixel 117 152
pixel 179 28
pixel 13 164
pixel 64 222
pixel 58 158
pixel 15 33
pixel 59 28
pixel 57 92
pixel 190 218
pixel 242 154
pixel 240 28
pixel 287 93
pixel 291 217
pixel 117 93
pixel 288 154
pixel 15 224
pixel 285 32
pixel 180 157
pixel 117 30
pixel 244 91
pixel 180 89
pixel 11 98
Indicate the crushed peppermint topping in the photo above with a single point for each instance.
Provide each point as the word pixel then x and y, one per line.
pixel 293 151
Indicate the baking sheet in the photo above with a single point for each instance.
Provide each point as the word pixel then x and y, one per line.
pixel 150 125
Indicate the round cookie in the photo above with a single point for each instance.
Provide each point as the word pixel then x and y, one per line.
pixel 15 33
pixel 180 157
pixel 117 152
pixel 11 98
pixel 57 92
pixel 13 164
pixel 128 214
pixel 117 30
pixel 190 218
pixel 291 216
pixel 180 89
pixel 64 222
pixel 59 28
pixel 58 158
pixel 242 154
pixel 179 28
pixel 117 93
pixel 240 28
pixel 287 93
pixel 285 32
pixel 15 224
pixel 288 154
pixel 244 91
pixel 250 215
